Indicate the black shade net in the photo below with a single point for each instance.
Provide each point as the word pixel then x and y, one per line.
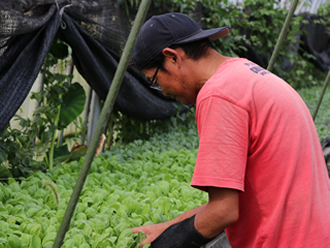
pixel 22 56
pixel 316 41
pixel 97 32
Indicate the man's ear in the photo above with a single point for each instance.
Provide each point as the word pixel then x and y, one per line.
pixel 172 55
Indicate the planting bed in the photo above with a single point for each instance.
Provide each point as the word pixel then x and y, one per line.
pixel 152 188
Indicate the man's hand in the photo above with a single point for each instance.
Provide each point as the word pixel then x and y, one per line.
pixel 221 211
pixel 151 231
pixel 181 235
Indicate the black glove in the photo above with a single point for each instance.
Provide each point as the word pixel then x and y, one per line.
pixel 180 235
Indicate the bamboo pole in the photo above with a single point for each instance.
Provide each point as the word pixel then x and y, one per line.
pixel 105 113
pixel 282 35
pixel 326 83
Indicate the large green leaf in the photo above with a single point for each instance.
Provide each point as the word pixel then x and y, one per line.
pixel 59 49
pixel 62 154
pixel 4 172
pixel 72 105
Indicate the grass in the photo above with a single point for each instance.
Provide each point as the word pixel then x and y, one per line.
pixel 322 121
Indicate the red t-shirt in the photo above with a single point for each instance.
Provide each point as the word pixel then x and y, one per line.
pixel 257 136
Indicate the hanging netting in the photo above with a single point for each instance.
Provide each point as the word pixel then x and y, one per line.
pixel 97 32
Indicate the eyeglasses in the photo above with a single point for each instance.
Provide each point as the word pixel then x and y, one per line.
pixel 153 84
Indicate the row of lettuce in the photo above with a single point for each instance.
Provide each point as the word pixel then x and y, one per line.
pixel 117 196
pixel 141 183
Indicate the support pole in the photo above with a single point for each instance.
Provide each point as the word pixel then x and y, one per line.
pixel 327 80
pixel 86 114
pixel 94 115
pixel 105 113
pixel 38 104
pixel 282 35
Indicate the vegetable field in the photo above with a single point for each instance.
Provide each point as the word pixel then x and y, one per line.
pixel 144 183
pixel 117 196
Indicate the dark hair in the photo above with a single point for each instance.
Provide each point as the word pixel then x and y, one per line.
pixel 194 50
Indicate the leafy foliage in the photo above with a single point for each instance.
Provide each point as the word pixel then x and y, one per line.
pixel 148 187
pixel 60 104
pixel 324 11
pixel 126 129
pixel 16 151
pixel 258 30
pixel 72 105
pixel 322 121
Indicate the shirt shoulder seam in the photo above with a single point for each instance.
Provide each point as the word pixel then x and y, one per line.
pixel 225 98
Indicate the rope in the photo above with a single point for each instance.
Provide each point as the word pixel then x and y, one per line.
pixel 57 5
pixel 61 10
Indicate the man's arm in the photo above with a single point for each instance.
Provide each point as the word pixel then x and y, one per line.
pixel 221 211
pixel 211 218
pixel 153 231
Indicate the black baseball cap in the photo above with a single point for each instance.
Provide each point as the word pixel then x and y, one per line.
pixel 166 30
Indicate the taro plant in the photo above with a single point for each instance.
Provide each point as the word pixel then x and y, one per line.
pixel 60 103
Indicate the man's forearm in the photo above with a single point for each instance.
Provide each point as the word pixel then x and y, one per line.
pixel 153 231
pixel 196 226
pixel 181 235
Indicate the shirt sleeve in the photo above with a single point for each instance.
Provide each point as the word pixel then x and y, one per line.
pixel 223 129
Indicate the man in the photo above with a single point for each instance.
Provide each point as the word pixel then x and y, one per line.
pixel 259 157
